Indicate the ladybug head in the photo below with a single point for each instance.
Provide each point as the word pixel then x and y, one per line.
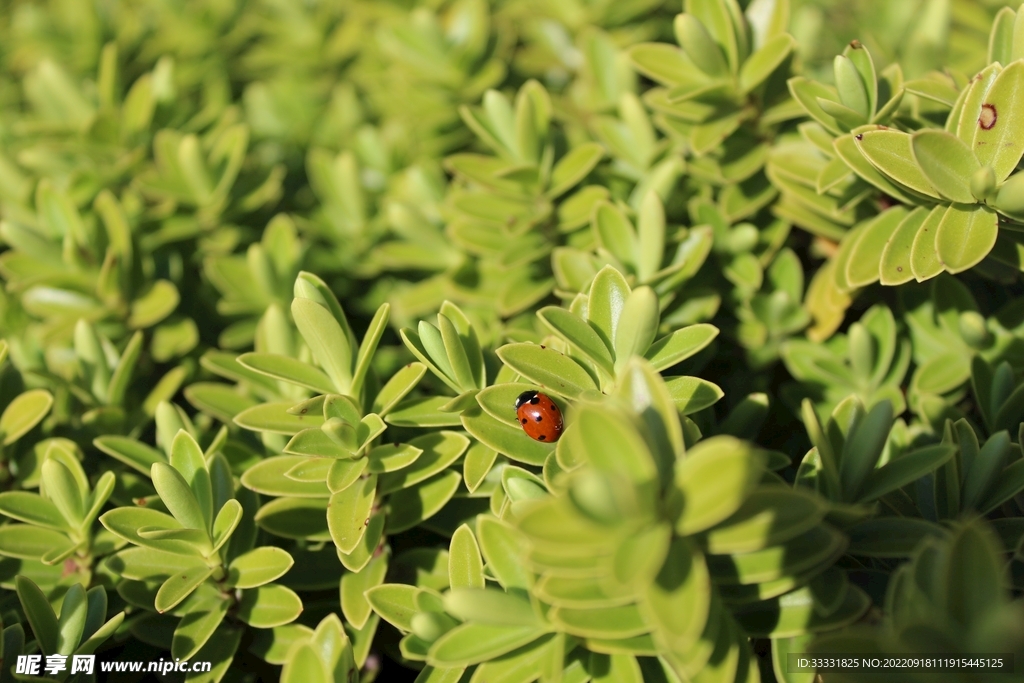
pixel 525 397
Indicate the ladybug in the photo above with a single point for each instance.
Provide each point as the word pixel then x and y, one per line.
pixel 539 416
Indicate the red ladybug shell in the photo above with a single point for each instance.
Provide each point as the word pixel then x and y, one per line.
pixel 539 417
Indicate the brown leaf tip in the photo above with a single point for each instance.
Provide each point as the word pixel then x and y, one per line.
pixel 856 44
pixel 988 117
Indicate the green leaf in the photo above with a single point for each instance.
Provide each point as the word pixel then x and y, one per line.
pixel 295 518
pixel 895 268
pixel 275 418
pixel 637 325
pixel 424 412
pixel 146 564
pixel 504 438
pixel 178 497
pixel 179 586
pixel 573 167
pixel 269 606
pixel 439 451
pixel 700 46
pixel 24 413
pixel 625 621
pixel 995 139
pixel 32 508
pixel 268 477
pixel 973 578
pixel 981 475
pixel 966 236
pixel 304 665
pixel 40 615
pixel 400 384
pixel 326 339
pixel 288 370
pixel 391 457
pixel 680 345
pixel 348 513
pixel 196 628
pixel 864 265
pixel 924 256
pixel 713 481
pixel 258 567
pixel 504 548
pixel 465 566
pixel 187 458
pixel 158 302
pixel 762 63
pixel 891 152
pixel 126 523
pixel 578 333
pixel 847 149
pixel 135 454
pixel 354 586
pixel 798 612
pixel 677 602
pixel 692 394
pixel 366 350
pixel 477 465
pixel 64 492
pixel 851 86
pixel 548 368
pixel 410 506
pixel 904 470
pixel 769 516
pixel 395 603
pixel 863 448
pixel 608 292
pixel 474 643
pixel 947 162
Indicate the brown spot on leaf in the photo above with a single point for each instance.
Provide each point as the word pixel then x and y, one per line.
pixel 141 502
pixel 856 44
pixel 542 346
pixel 366 522
pixel 881 127
pixel 899 269
pixel 859 136
pixel 988 117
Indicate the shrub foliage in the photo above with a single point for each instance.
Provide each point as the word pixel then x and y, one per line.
pixel 275 273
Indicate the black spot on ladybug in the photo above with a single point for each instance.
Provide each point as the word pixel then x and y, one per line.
pixel 988 117
pixel 535 400
pixel 542 437
pixel 525 420
pixel 539 418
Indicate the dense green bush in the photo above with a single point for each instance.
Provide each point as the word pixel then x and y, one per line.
pixel 275 273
